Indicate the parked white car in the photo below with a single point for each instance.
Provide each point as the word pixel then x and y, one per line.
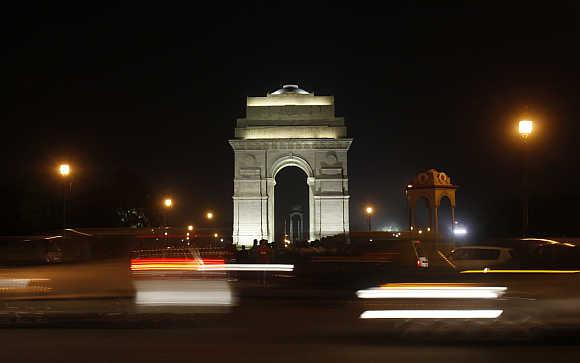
pixel 480 257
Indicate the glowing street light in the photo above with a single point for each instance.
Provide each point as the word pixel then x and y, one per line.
pixel 525 128
pixel 215 235
pixel 209 215
pixel 65 170
pixel 190 228
pixel 168 202
pixel 369 210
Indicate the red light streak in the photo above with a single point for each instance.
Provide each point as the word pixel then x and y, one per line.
pixel 172 263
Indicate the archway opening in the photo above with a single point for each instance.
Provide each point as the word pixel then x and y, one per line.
pixel 445 217
pixel 422 214
pixel 291 205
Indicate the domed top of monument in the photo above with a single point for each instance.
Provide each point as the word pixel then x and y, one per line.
pixel 290 89
pixel 431 178
pixel 290 112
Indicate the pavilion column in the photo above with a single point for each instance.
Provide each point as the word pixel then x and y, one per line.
pixel 435 221
pixel 431 215
pixel 453 219
pixel 411 208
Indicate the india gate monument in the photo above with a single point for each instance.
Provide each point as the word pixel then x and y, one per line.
pixel 290 127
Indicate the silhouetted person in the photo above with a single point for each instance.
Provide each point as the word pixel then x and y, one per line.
pixel 254 251
pixel 264 252
pixel 264 257
pixel 243 255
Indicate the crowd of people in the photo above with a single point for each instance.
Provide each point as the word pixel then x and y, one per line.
pixel 260 252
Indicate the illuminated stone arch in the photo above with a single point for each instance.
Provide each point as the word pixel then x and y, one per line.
pixel 290 127
pixel 292 160
pixel 432 185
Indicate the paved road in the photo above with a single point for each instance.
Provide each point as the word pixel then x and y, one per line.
pixel 277 330
pixel 286 324
pixel 189 346
pixel 194 345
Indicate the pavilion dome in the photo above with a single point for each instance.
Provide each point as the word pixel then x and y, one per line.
pixel 290 89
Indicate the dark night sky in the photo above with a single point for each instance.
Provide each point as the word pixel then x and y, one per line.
pixel 152 91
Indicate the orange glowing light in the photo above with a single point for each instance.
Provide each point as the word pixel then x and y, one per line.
pixel 64 169
pixel 525 127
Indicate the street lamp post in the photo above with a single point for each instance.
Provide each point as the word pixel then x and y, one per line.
pixel 215 239
pixel 369 211
pixel 64 171
pixel 209 215
pixel 167 204
pixel 525 129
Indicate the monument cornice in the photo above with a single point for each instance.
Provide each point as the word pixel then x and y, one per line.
pixel 291 144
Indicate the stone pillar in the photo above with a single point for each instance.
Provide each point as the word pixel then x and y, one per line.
pixel 236 231
pixel 435 222
pixel 271 184
pixel 311 209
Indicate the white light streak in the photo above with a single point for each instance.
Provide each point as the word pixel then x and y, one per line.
pixel 550 241
pixel 183 293
pixel 246 267
pixel 450 292
pixel 431 314
pixel 184 298
pixel 17 283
